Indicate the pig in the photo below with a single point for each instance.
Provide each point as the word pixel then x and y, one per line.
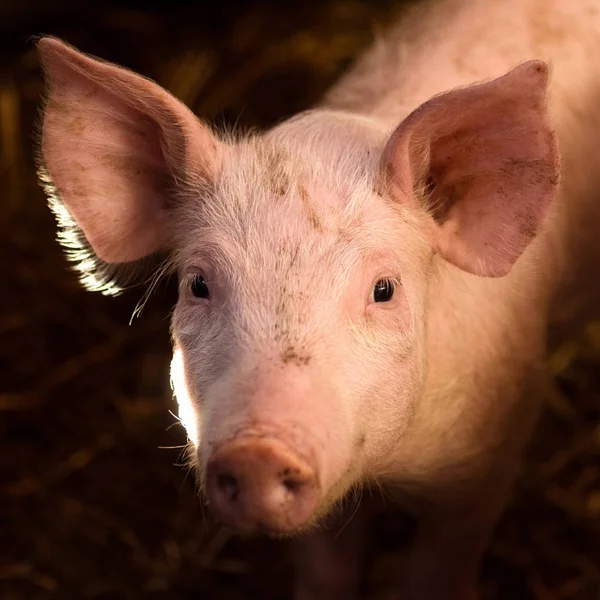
pixel 366 289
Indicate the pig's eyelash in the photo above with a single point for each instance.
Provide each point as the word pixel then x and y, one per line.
pixel 189 276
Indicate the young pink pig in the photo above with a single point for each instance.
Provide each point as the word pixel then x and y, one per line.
pixel 365 289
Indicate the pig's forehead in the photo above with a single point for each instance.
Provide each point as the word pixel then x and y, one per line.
pixel 305 220
pixel 331 152
pixel 276 175
pixel 274 191
pixel 298 186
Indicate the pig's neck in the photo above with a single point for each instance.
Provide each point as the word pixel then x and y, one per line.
pixel 474 323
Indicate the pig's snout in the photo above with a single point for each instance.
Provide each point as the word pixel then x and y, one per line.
pixel 260 484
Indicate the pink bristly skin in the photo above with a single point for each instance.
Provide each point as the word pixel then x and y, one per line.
pixel 431 169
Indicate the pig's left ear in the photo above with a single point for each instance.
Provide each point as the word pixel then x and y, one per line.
pixel 483 161
pixel 115 151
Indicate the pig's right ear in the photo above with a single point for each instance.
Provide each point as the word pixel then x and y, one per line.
pixel 113 145
pixel 483 162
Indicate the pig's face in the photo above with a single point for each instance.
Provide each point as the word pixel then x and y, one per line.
pixel 302 300
pixel 304 258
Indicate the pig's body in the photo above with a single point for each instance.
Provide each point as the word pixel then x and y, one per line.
pixel 487 337
pixel 298 385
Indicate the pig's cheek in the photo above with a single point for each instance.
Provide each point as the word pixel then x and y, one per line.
pixel 187 406
pixel 391 336
pixel 387 378
pixel 204 337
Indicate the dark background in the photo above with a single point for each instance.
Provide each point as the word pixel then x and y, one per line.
pixel 92 503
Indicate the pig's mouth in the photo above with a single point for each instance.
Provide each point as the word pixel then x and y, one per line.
pixel 259 484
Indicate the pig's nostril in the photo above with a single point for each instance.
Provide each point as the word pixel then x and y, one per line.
pixel 228 484
pixel 291 486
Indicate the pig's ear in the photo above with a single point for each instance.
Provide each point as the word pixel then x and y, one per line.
pixel 113 147
pixel 483 161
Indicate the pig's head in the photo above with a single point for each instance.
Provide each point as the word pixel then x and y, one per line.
pixel 304 258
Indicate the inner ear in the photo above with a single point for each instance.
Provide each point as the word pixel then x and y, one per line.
pixel 436 198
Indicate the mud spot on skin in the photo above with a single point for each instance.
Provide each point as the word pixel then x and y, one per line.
pixel 313 217
pixel 273 162
pixel 279 183
pixel 291 355
pixel 527 224
pixel 539 171
pixel 519 166
pixel 280 309
pixel 343 235
pixel 361 441
pixel 77 126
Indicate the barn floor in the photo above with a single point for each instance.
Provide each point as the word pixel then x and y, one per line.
pixel 94 503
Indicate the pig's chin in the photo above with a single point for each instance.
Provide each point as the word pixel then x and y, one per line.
pixel 263 529
pixel 287 524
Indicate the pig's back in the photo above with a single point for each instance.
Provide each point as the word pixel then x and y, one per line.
pixel 438 45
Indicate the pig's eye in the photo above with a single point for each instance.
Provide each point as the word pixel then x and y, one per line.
pixel 198 286
pixel 383 290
